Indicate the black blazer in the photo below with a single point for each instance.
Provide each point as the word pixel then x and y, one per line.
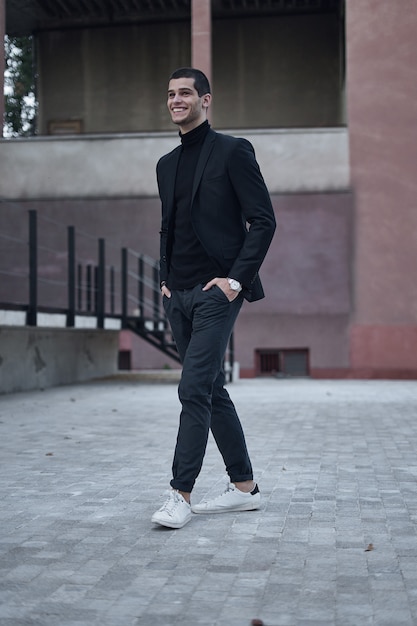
pixel 231 210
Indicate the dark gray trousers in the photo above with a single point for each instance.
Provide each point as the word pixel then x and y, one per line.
pixel 201 323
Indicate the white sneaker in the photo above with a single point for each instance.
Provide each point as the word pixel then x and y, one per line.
pixel 231 500
pixel 174 513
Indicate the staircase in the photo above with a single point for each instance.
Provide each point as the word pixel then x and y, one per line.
pixel 154 331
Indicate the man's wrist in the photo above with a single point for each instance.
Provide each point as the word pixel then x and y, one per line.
pixel 234 284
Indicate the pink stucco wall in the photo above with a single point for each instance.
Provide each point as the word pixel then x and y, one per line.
pixel 306 273
pixel 382 118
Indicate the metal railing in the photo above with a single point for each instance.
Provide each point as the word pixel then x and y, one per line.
pixel 84 284
pixel 63 277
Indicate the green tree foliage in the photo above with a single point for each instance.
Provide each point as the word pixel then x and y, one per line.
pixel 20 102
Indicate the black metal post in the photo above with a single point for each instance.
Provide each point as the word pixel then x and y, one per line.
pixel 141 286
pixel 31 318
pixel 124 287
pixel 101 279
pixel 79 286
pixel 95 288
pixel 156 292
pixel 89 285
pixel 112 290
pixel 71 277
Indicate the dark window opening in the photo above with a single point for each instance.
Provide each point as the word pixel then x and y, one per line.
pixel 125 360
pixel 288 362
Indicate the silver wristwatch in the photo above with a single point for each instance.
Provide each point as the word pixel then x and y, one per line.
pixel 234 284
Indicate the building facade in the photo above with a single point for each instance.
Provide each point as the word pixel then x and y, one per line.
pixel 324 89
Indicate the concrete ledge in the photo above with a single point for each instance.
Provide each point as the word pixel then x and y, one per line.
pixel 291 160
pixel 36 358
pixel 156 376
pixel 56 320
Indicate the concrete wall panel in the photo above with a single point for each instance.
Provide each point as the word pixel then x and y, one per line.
pixel 35 358
pixel 112 79
pixel 124 166
pixel 279 71
pixel 115 79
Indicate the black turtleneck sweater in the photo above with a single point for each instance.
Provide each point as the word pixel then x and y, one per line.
pixel 190 265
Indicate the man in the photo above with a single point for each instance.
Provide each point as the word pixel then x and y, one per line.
pixel 217 225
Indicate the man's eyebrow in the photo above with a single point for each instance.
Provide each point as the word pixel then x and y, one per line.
pixel 180 89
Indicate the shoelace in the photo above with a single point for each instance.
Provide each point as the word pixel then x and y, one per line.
pixel 225 492
pixel 171 503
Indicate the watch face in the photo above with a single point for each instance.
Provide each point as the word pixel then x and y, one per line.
pixel 234 284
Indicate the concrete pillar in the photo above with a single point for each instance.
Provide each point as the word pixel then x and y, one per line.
pixel 201 36
pixel 2 59
pixel 381 104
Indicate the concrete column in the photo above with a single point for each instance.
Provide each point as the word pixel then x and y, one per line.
pixel 201 36
pixel 382 112
pixel 2 59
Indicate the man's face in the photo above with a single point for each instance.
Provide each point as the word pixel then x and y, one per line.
pixel 188 110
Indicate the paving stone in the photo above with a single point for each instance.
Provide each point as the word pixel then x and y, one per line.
pixel 85 466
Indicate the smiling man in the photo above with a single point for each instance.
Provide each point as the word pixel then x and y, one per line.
pixel 187 108
pixel 211 189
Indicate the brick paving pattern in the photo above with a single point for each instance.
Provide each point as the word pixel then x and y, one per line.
pixel 84 467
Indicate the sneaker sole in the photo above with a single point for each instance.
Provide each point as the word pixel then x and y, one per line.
pixel 234 509
pixel 167 524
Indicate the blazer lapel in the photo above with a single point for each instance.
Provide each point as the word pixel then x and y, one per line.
pixel 202 160
pixel 169 185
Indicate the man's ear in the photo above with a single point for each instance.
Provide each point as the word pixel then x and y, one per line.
pixel 206 100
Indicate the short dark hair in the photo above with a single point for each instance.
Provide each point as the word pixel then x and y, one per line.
pixel 201 82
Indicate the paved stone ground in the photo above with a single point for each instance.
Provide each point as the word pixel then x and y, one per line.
pixel 84 467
